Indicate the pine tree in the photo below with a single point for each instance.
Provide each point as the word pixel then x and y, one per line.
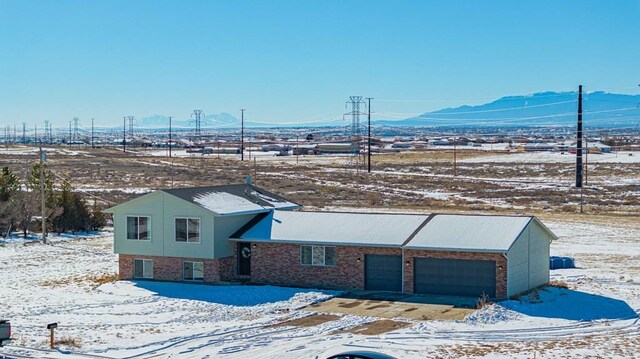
pixel 82 218
pixel 74 215
pixel 65 201
pixel 9 188
pixel 9 184
pixel 98 218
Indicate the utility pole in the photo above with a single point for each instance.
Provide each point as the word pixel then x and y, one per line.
pixel 35 133
pixel 92 146
pixel 169 136
pixel 297 148
pixel 579 141
pixel 369 135
pixel 43 202
pixel 24 133
pixel 124 134
pixel 455 157
pixel 242 134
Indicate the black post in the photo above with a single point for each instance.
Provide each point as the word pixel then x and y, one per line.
pixel 242 135
pixel 369 141
pixel 124 134
pixel 579 141
pixel 169 136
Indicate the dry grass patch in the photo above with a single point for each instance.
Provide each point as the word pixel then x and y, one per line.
pixel 68 341
pixel 558 284
pixel 91 279
pixel 483 301
pixel 308 321
pixel 376 327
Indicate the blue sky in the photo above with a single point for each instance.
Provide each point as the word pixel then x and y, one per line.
pixel 299 60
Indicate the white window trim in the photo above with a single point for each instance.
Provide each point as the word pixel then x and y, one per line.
pixel 144 261
pixel 199 230
pixel 192 280
pixel 126 225
pixel 324 257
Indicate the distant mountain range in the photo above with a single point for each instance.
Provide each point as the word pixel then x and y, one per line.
pixel 600 109
pixel 217 120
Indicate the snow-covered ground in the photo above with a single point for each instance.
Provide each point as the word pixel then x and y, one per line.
pixel 68 282
pixel 555 157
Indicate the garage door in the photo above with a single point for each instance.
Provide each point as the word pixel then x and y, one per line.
pixel 454 277
pixel 383 272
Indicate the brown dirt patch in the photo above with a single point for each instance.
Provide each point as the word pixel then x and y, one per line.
pixel 308 321
pixel 376 327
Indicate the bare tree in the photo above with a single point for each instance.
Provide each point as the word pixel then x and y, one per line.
pixel 26 207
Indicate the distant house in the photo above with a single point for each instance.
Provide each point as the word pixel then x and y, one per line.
pixel 243 233
pixel 539 146
pixel 592 148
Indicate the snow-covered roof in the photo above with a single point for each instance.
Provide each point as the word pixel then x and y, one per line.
pixel 233 199
pixel 362 229
pixel 469 233
pixel 450 232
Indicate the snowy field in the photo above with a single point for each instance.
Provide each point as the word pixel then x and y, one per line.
pixel 69 282
pixel 555 157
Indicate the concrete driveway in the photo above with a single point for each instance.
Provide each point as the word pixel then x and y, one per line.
pixel 396 305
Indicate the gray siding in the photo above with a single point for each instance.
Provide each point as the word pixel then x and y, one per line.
pixel 528 260
pixel 175 207
pixel 539 243
pixel 163 209
pixel 224 227
pixel 149 205
pixel 518 264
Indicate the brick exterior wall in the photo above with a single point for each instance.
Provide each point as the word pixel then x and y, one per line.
pixel 170 268
pixel 279 264
pixel 501 266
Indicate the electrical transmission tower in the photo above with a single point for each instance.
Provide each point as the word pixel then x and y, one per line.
pixel 132 120
pixel 46 132
pixel 75 129
pixel 355 159
pixel 197 118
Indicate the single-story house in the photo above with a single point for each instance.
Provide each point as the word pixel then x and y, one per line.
pixel 244 233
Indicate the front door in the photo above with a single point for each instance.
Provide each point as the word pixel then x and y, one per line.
pixel 244 258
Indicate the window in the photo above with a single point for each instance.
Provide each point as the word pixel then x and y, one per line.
pixel 188 230
pixel 138 228
pixel 143 268
pixel 317 256
pixel 192 270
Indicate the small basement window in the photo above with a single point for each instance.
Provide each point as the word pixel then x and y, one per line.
pixel 193 270
pixel 138 228
pixel 188 230
pixel 143 268
pixel 318 255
